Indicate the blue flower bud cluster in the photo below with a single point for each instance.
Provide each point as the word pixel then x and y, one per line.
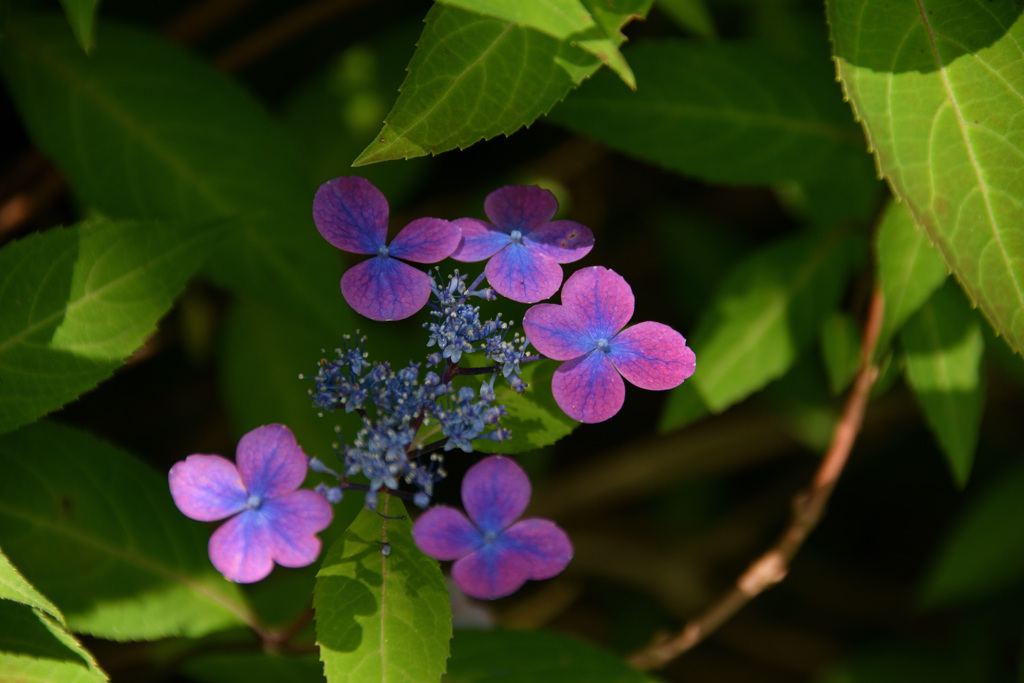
pixel 400 409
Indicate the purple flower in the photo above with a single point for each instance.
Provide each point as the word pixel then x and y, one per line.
pixel 524 245
pixel 352 215
pixel 585 331
pixel 494 554
pixel 272 522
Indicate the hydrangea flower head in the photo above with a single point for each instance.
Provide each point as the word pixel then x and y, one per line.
pixel 524 245
pixel 586 331
pixel 271 521
pixel 494 554
pixel 352 215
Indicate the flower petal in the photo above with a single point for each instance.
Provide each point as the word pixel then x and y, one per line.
pixel 294 521
pixel 588 388
pixel 652 356
pixel 426 240
pixel 491 572
pixel 524 273
pixel 351 214
pixel 564 241
pixel 557 332
pixel 270 461
pixel 480 240
pixel 207 487
pixel 383 288
pixel 601 298
pixel 444 533
pixel 241 548
pixel 544 543
pixel 520 207
pixel 495 492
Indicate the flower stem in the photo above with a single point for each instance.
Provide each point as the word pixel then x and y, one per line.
pixel 808 509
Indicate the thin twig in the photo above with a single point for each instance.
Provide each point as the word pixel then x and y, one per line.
pixel 808 508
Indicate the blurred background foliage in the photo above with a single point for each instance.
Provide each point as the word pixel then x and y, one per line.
pixel 915 573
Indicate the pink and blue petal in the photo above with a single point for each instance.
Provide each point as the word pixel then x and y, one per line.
pixel 588 389
pixel 564 241
pixel 270 461
pixel 480 240
pixel 351 214
pixel 495 493
pixel 294 521
pixel 601 298
pixel 652 356
pixel 557 332
pixel 241 549
pixel 426 240
pixel 520 207
pixel 444 533
pixel 523 274
pixel 491 572
pixel 383 288
pixel 207 488
pixel 546 546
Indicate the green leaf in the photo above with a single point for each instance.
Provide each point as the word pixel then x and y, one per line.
pixel 75 302
pixel 97 532
pixel 533 657
pixel 34 647
pixel 485 67
pixel 534 418
pixel 144 130
pixel 285 349
pixel 937 87
pixel 909 270
pixel 248 667
pixel 767 311
pixel 943 347
pixel 381 617
pixel 722 112
pixel 81 14
pixel 840 350
pixel 984 552
pixel 690 15
pixel 14 586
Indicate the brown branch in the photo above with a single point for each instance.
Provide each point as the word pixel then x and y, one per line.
pixel 808 509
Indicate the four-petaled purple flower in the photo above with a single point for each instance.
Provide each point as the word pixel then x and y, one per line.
pixel 271 522
pixel 352 215
pixel 524 245
pixel 585 331
pixel 494 554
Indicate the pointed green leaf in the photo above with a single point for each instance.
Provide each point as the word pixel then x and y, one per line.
pixel 533 657
pixel 984 552
pixel 943 347
pixel 75 302
pixel 142 129
pixel 81 14
pixel 909 269
pixel 98 533
pixel 485 67
pixel 721 112
pixel 938 87
pixel 381 617
pixel 34 647
pixel 14 586
pixel 768 310
pixel 533 417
